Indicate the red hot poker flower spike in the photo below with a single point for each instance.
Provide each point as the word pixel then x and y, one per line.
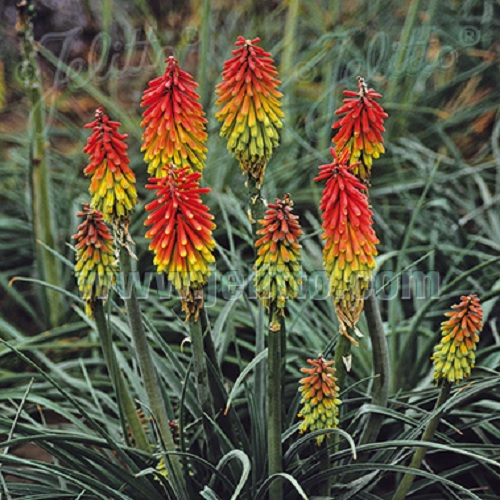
pixel 181 233
pixel 277 276
pixel 95 262
pixel 454 356
pixel 360 130
pixel 250 106
pixel 174 122
pixel 112 183
pixel 319 397
pixel 350 240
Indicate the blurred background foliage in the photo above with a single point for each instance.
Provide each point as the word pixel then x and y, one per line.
pixel 435 195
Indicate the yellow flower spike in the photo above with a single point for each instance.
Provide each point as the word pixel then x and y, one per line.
pixel 454 356
pixel 250 106
pixel 94 249
pixel 278 263
pixel 349 252
pixel 320 400
pixel 112 184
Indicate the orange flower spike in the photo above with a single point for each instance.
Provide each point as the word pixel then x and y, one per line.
pixel 250 106
pixel 181 233
pixel 95 268
pixel 174 122
pixel 360 130
pixel 112 183
pixel 348 255
pixel 454 356
pixel 319 398
pixel 278 263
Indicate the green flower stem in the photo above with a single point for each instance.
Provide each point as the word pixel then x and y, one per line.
pixel 274 409
pixel 381 365
pixel 342 350
pixel 256 211
pixel 204 389
pixel 256 205
pixel 42 210
pixel 418 456
pixel 125 401
pixel 150 377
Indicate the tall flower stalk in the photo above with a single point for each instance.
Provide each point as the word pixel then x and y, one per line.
pixel 360 129
pixel 250 113
pixel 454 358
pixel 180 229
pixel 277 279
pixel 114 196
pixel 348 255
pixel 359 136
pixel 96 271
pixel 174 122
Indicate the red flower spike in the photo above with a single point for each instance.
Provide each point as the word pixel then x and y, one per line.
pixel 250 106
pixel 181 233
pixel 174 121
pixel 278 261
pixel 349 250
pixel 360 130
pixel 112 183
pixel 95 262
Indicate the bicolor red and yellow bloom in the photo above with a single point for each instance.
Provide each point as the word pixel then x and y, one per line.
pixel 454 356
pixel 112 184
pixel 174 122
pixel 360 130
pixel 278 264
pixel 320 398
pixel 95 257
pixel 348 255
pixel 181 233
pixel 250 106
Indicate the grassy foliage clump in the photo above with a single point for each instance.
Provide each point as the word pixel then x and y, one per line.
pixel 79 418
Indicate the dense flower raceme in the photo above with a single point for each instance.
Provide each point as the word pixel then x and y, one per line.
pixel 454 356
pixel 250 106
pixel 174 122
pixel 112 183
pixel 278 264
pixel 319 397
pixel 350 240
pixel 181 233
pixel 95 261
pixel 360 130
